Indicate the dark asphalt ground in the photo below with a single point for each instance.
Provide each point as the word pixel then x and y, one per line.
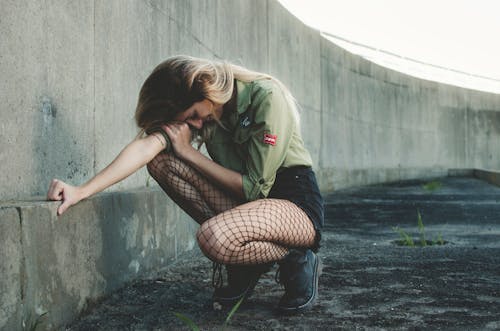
pixel 368 282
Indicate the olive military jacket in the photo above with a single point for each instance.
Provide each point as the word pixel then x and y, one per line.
pixel 260 136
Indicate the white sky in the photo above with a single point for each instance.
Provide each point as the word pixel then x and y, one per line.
pixel 457 34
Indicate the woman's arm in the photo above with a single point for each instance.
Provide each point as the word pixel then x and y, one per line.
pixel 134 156
pixel 227 179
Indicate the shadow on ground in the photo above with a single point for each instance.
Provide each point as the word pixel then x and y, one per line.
pixel 368 281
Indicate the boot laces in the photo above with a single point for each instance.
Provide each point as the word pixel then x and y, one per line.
pixel 217 280
pixel 277 275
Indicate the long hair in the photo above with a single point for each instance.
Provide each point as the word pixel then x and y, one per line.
pixel 180 81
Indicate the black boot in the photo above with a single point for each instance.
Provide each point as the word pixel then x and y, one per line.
pixel 299 273
pixel 241 281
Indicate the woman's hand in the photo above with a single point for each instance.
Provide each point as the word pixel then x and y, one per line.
pixel 134 156
pixel 180 135
pixel 60 191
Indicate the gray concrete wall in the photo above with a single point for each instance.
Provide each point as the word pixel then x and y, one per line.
pixel 380 125
pixel 57 265
pixel 71 72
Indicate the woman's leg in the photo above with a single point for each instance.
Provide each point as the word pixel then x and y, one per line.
pixel 251 234
pixel 188 188
pixel 257 232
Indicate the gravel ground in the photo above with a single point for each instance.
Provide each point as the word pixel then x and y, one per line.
pixel 369 282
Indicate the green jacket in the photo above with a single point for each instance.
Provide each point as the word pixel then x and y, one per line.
pixel 261 136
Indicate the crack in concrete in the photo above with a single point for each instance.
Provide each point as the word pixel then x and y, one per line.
pixel 22 269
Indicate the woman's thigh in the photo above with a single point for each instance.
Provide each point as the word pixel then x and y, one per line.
pixel 194 193
pixel 254 226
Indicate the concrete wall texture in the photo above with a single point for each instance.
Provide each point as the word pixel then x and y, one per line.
pixel 57 265
pixel 71 72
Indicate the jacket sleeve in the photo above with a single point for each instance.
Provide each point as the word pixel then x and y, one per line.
pixel 269 141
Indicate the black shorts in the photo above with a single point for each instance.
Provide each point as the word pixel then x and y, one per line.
pixel 298 185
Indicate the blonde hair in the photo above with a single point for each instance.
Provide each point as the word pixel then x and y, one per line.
pixel 180 81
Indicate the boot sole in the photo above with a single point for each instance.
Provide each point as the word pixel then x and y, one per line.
pixel 318 266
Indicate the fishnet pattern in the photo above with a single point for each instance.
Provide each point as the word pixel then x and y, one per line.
pixel 256 232
pixel 188 188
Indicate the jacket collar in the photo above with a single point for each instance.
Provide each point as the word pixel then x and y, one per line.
pixel 243 100
pixel 244 95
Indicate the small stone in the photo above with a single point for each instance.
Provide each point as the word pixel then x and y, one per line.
pixel 217 306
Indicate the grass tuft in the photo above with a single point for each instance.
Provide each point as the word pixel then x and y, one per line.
pixel 432 186
pixel 421 229
pixel 407 240
pixel 231 313
pixel 189 322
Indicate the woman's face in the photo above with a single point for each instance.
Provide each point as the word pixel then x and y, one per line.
pixel 199 113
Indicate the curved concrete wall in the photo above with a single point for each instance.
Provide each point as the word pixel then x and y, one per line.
pixel 70 77
pixel 380 125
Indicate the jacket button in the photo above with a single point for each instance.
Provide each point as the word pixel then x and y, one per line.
pixel 261 181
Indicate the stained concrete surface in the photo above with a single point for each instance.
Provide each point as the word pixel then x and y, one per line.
pixel 72 71
pixel 368 281
pixel 56 264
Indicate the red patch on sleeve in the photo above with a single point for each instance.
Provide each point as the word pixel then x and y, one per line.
pixel 270 139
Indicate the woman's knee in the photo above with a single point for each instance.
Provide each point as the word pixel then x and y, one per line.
pixel 205 236
pixel 214 242
pixel 160 163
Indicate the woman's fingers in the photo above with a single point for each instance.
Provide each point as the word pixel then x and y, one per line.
pixel 175 127
pixel 170 130
pixel 178 131
pixel 55 190
pixel 59 190
pixel 65 205
pixel 180 136
pixel 51 188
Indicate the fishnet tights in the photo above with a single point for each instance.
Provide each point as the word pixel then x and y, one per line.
pixel 260 231
pixel 188 188
pixel 257 232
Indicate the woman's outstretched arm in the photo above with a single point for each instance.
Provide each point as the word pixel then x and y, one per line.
pixel 133 157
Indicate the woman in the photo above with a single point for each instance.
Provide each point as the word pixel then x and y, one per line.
pixel 256 199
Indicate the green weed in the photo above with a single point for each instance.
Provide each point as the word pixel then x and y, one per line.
pixel 439 240
pixel 189 322
pixel 432 186
pixel 421 229
pixel 407 240
pixel 231 313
